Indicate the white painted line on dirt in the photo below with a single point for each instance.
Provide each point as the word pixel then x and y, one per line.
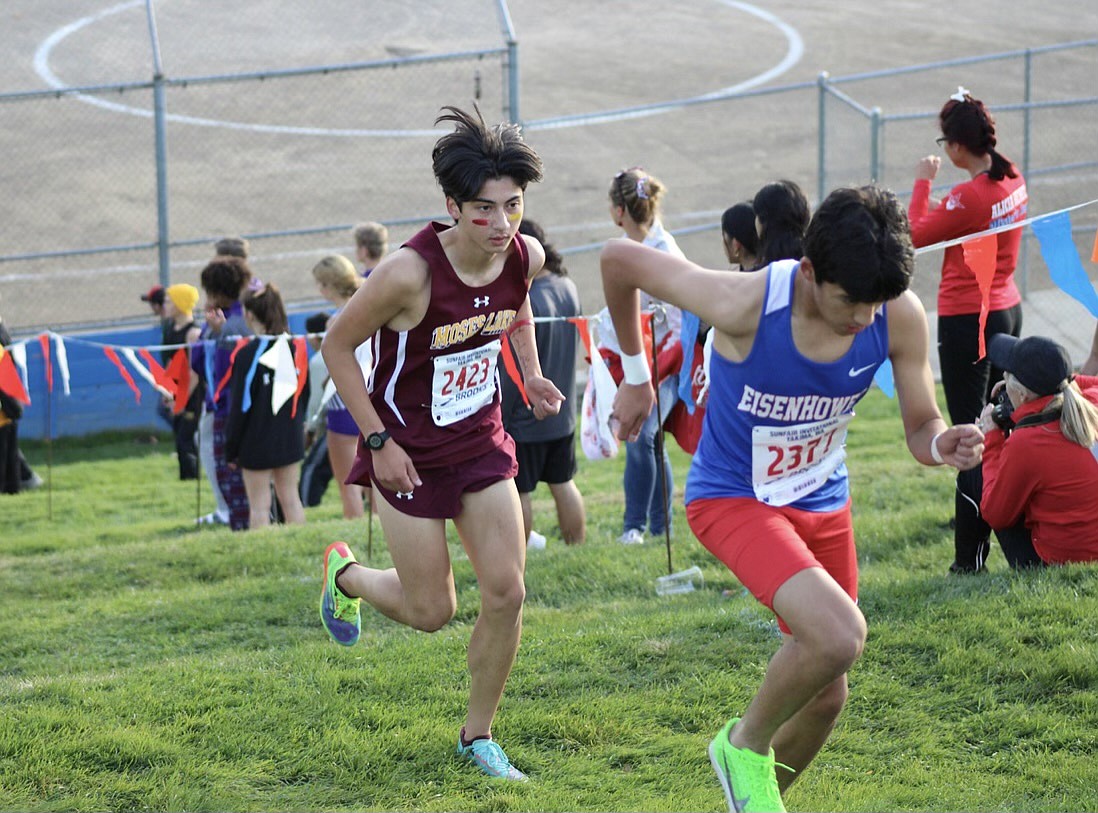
pixel 793 54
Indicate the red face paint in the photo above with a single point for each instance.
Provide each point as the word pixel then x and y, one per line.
pixel 478 222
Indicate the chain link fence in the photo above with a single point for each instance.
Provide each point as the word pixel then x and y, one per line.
pixel 876 126
pixel 837 131
pixel 292 159
pixel 113 188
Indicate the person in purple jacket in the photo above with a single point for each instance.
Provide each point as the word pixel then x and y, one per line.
pixel 224 280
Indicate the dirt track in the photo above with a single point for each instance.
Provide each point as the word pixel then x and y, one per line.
pixel 79 176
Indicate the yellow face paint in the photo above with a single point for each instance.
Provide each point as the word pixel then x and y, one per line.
pixel 515 217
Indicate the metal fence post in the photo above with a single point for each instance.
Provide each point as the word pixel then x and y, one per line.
pixel 514 114
pixel 160 124
pixel 1058 173
pixel 821 135
pixel 875 146
pixel 511 77
pixel 1026 117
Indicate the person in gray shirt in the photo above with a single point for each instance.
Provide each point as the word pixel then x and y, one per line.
pixel 546 449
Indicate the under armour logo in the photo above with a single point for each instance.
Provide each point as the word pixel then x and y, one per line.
pixel 404 495
pixel 954 202
pixel 480 302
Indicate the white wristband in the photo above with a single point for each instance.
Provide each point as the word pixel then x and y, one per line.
pixel 635 368
pixel 934 453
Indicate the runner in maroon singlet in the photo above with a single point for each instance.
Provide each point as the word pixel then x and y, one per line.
pixel 436 311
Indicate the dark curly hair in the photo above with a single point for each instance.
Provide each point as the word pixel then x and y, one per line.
pixel 860 240
pixel 225 277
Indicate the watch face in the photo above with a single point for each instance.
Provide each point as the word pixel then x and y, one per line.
pixel 376 440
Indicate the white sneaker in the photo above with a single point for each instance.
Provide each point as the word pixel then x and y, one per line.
pixel 632 537
pixel 212 518
pixel 536 541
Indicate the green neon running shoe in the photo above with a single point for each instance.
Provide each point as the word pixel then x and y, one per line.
pixel 748 779
pixel 489 757
pixel 339 612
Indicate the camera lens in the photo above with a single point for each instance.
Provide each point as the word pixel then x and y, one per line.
pixel 1003 411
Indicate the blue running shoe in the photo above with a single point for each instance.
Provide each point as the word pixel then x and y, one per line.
pixel 339 612
pixel 489 757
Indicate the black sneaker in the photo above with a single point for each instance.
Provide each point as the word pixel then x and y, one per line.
pixel 966 570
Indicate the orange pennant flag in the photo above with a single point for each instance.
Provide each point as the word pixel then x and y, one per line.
pixel 158 373
pixel 10 382
pixel 512 368
pixel 648 331
pixel 584 332
pixel 179 379
pixel 44 341
pixel 240 343
pixel 113 356
pixel 980 259
pixel 1094 254
pixel 301 362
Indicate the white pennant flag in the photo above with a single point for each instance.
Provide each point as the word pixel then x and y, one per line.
pixel 62 361
pixel 597 437
pixel 364 355
pixel 280 359
pixel 131 357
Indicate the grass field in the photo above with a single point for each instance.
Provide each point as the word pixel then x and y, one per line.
pixel 145 665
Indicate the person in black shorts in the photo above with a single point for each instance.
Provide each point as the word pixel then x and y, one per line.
pixel 546 449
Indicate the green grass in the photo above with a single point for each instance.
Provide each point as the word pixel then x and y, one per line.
pixel 148 665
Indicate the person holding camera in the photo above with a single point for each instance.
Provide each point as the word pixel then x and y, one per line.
pixel 1041 455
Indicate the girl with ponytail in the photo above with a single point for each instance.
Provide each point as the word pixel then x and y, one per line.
pixel 994 195
pixel 635 200
pixel 781 217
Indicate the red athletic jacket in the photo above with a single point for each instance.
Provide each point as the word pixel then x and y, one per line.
pixel 1042 476
pixel 971 207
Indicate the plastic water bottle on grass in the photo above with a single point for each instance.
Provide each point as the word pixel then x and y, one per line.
pixel 685 581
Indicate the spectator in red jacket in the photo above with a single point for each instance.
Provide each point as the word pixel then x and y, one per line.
pixel 1041 456
pixel 994 195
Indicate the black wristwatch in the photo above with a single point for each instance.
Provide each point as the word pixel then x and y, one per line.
pixel 375 440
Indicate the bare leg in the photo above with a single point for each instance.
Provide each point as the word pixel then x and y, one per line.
pixel 828 635
pixel 257 484
pixel 285 483
pixel 571 512
pixel 527 514
pixel 802 736
pixel 490 527
pixel 341 454
pixel 418 591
